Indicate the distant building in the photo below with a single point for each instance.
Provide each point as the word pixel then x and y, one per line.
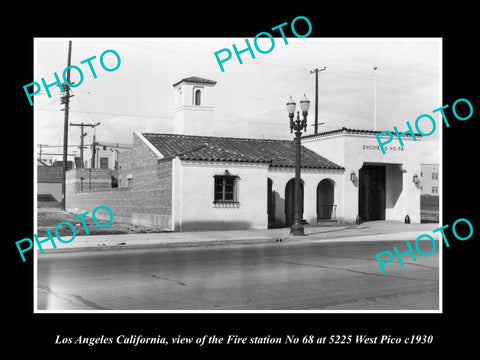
pixel 49 182
pixel 106 157
pixel 192 180
pixel 59 163
pixel 42 163
pixel 429 175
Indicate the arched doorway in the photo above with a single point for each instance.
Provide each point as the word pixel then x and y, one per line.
pixel 290 201
pixel 326 209
pixel 270 204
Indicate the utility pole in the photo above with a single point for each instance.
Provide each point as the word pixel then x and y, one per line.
pixel 94 146
pixel 40 145
pixel 316 96
pixel 82 135
pixel 66 100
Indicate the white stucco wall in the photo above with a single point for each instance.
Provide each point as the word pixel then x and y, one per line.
pixel 194 195
pixel 352 151
pixel 194 120
pixel 191 119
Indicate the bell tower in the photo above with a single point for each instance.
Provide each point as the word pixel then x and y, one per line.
pixel 193 109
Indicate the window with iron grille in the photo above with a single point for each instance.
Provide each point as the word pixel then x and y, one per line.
pixel 225 189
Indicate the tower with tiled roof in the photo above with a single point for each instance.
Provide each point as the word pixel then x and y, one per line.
pixel 193 108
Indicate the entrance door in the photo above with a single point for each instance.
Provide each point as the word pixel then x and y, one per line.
pixel 289 201
pixel 371 193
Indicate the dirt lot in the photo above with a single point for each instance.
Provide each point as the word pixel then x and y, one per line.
pixel 49 217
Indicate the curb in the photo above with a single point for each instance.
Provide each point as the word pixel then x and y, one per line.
pixel 209 243
pixel 160 245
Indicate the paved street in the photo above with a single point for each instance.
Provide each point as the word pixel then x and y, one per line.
pixel 330 275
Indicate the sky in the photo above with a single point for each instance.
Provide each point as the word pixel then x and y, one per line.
pixel 249 98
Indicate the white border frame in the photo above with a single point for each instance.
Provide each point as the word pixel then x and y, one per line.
pixel 440 310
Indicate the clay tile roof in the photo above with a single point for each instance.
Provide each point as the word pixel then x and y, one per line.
pixel 195 79
pixel 275 153
pixel 352 131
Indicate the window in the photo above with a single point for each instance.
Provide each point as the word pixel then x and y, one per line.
pixel 434 176
pixel 103 163
pixel 225 188
pixel 434 189
pixel 198 95
pixel 78 162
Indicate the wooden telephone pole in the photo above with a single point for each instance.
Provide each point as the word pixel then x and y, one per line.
pixel 66 100
pixel 94 145
pixel 316 96
pixel 82 135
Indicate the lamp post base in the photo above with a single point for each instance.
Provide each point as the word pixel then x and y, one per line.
pixel 297 230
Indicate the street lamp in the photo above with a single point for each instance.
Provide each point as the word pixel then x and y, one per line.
pixel 297 125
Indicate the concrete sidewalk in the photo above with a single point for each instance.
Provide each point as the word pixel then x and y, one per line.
pixel 366 231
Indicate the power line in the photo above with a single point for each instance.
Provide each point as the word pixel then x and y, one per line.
pixel 278 62
pixel 115 145
pixel 84 109
pixel 50 103
pixel 54 146
pixel 118 102
pixel 368 76
pixel 114 114
pixel 58 154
